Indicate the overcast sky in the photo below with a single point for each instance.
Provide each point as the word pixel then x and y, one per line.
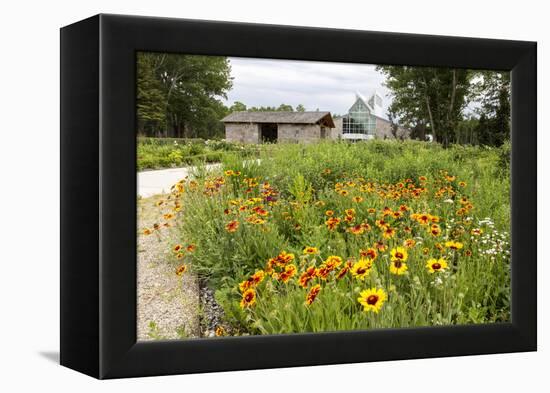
pixel 326 86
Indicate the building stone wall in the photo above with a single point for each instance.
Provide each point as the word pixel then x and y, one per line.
pixel 383 130
pixel 242 132
pixel 336 132
pixel 299 133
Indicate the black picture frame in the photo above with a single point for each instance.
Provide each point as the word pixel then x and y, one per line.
pixel 98 195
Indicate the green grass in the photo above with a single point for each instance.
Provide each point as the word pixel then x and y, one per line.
pixel 305 181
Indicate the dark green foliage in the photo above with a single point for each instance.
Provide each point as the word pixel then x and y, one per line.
pixel 434 101
pixel 494 121
pixel 179 95
pixel 433 96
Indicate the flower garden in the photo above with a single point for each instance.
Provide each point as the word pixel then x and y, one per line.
pixel 337 236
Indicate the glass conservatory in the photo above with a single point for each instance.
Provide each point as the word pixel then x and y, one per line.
pixel 360 121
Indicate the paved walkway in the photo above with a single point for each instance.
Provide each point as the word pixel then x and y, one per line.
pixel 150 183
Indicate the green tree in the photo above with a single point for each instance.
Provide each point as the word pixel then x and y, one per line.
pixel 285 108
pixel 300 108
pixel 151 102
pixel 191 89
pixel 434 97
pixel 492 90
pixel 237 107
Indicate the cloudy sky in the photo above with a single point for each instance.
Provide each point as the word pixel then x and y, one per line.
pixel 316 85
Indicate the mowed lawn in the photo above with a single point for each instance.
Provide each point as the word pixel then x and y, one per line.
pixel 339 236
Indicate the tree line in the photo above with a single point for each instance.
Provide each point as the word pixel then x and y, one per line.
pixel 453 105
pixel 180 96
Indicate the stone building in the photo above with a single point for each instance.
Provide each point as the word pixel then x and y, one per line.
pixel 257 127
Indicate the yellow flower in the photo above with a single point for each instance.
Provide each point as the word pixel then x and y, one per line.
pixel 333 261
pixel 232 226
pixel 423 219
pixel 399 253
pixel 435 230
pixel 288 272
pixel 397 266
pixel 350 212
pixel 372 299
pixel 220 331
pixel 356 229
pixel 311 250
pixel 332 223
pixel 181 269
pixel 409 243
pixel 370 253
pixel 313 292
pixel 453 245
pixel 249 298
pixel 388 233
pixel 252 281
pixel 344 270
pixel 307 276
pixel 361 268
pixel 436 265
pixel 177 248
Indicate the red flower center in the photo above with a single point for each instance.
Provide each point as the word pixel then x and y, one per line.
pixel 436 266
pixel 372 300
pixel 397 264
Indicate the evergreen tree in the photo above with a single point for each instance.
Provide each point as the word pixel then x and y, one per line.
pixel 151 101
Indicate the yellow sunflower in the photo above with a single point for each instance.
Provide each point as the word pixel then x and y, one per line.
pixel 453 245
pixel 249 298
pixel 397 266
pixel 372 299
pixel 399 253
pixel 361 268
pixel 436 265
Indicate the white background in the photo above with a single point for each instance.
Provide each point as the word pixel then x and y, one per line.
pixel 29 192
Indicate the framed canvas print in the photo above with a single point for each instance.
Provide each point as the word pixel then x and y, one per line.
pixel 238 196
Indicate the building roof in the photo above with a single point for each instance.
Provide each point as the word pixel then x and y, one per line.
pixel 280 117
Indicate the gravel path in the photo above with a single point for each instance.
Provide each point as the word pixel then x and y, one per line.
pixel 167 305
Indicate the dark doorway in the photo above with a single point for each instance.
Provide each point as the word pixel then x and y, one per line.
pixel 268 132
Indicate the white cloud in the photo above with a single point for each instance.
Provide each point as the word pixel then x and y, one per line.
pixel 316 85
